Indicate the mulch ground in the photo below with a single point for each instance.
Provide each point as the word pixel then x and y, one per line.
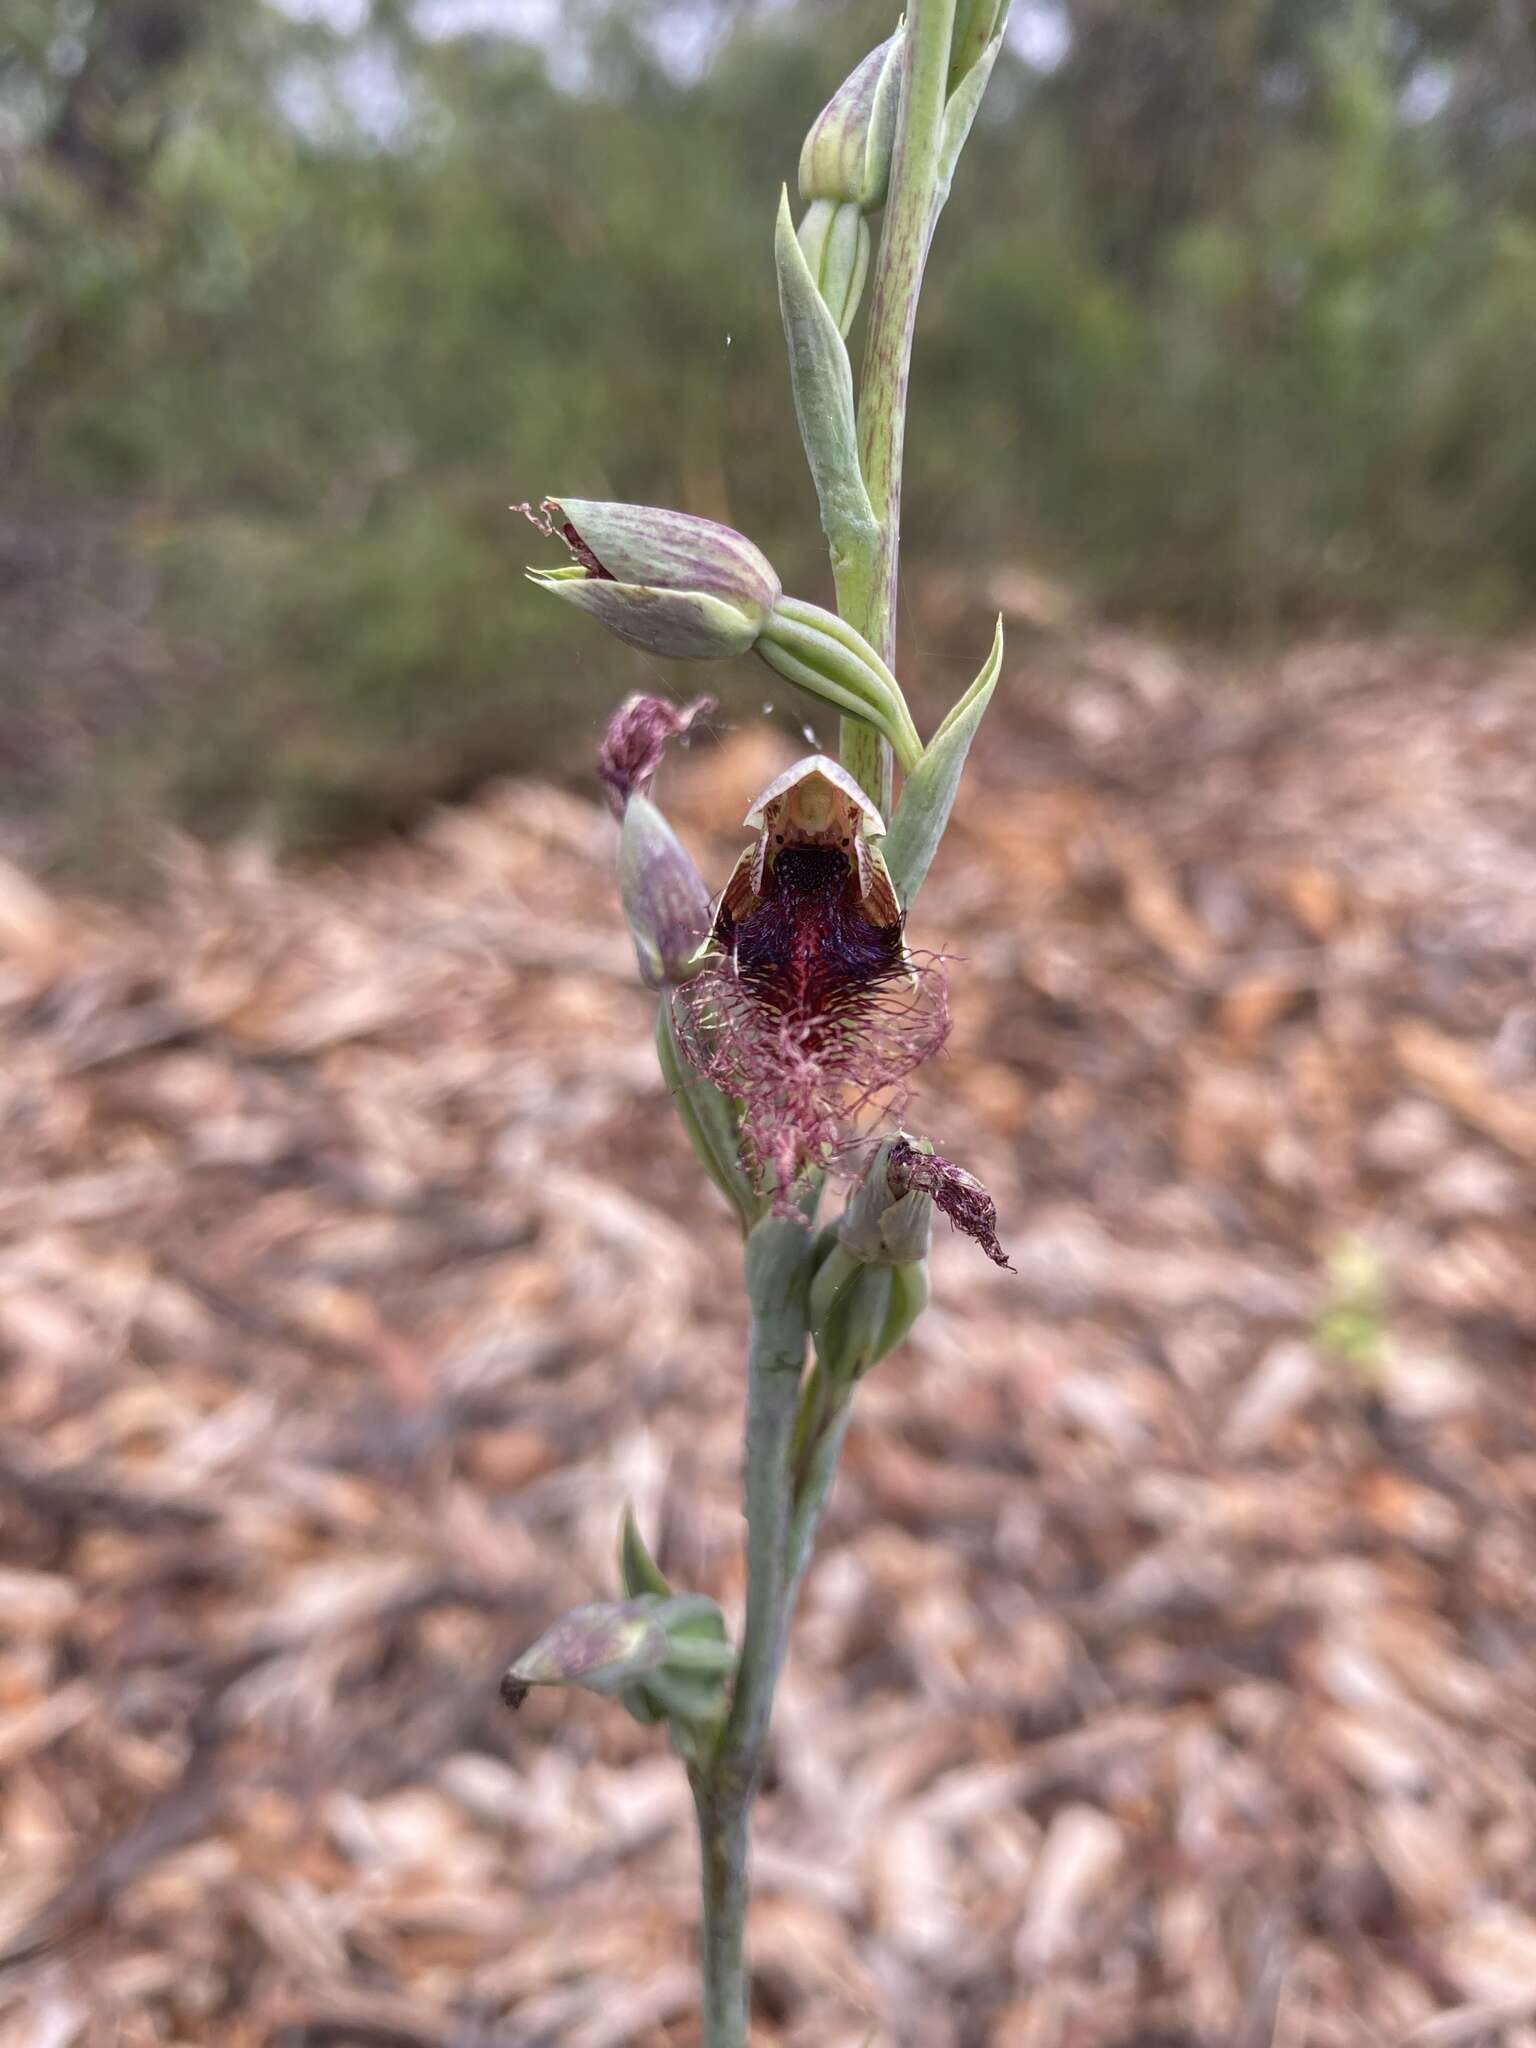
pixel 1167 1677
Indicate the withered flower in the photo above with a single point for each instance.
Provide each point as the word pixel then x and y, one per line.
pixel 636 739
pixel 960 1195
pixel 666 901
pixel 812 1011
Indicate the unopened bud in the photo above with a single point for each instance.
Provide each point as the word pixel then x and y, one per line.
pixel 835 238
pixel 601 1648
pixel 859 1313
pixel 823 654
pixel 666 901
pixel 884 1228
pixel 665 582
pixel 847 153
pixel 665 1658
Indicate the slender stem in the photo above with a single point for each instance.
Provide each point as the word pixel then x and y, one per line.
pixel 778 1269
pixel 814 1487
pixel 723 1925
pixel 908 229
pixel 866 592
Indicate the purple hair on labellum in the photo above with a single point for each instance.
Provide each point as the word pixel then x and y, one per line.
pixel 635 741
pixel 960 1195
pixel 812 1014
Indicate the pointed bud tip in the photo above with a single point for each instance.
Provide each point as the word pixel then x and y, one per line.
pixel 847 151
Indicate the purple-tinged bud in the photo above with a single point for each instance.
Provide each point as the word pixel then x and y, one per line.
pixel 665 582
pixel 601 1648
pixel 635 741
pixel 847 152
pixel 959 1194
pixel 665 1657
pixel 666 900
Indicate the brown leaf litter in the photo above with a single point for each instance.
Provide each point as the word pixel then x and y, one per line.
pixel 1167 1678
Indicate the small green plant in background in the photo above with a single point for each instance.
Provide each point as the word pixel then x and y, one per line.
pixel 791 1009
pixel 1352 1325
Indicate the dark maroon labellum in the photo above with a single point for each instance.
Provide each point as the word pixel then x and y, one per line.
pixel 809 946
pixel 813 1014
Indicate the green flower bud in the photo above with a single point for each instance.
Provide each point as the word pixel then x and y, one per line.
pixel 665 582
pixel 847 154
pixel 666 1657
pixel 880 1227
pixel 859 1313
pixel 690 1686
pixel 822 654
pixel 666 901
pixel 835 238
pixel 976 23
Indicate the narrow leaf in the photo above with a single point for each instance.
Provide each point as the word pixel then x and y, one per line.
pixel 929 793
pixel 821 378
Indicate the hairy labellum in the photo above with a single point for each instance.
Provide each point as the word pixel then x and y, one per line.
pixel 812 1013
pixel 960 1195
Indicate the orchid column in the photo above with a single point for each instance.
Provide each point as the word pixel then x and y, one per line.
pixel 792 1010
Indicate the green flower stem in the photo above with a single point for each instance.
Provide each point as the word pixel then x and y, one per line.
pixel 866 591
pixel 814 1487
pixel 778 1266
pixel 787 1486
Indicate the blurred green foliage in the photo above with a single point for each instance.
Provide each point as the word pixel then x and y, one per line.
pixel 1229 324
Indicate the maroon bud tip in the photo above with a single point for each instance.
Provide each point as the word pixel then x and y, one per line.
pixel 513 1691
pixel 960 1195
pixel 635 741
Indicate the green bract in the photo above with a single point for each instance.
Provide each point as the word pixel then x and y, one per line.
pixel 666 582
pixel 977 22
pixel 872 1284
pixel 929 795
pixel 834 236
pixel 821 380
